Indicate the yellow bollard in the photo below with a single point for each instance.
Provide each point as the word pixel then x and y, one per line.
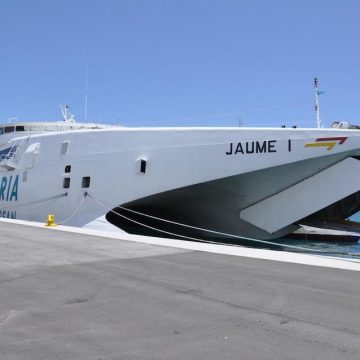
pixel 51 220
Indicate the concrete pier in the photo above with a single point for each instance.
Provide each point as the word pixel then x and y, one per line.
pixel 67 295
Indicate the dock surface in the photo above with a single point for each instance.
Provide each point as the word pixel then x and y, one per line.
pixel 67 295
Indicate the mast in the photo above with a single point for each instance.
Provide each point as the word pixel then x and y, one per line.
pixel 317 107
pixel 86 93
pixel 67 116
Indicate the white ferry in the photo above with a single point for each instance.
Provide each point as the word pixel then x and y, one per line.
pixel 253 182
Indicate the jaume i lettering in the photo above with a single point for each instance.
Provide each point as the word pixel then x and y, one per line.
pixel 252 147
pixel 9 187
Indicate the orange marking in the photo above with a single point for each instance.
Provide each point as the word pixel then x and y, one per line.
pixel 327 143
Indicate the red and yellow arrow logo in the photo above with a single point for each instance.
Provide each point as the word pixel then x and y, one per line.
pixel 329 142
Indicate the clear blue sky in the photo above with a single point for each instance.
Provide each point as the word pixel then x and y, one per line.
pixel 154 62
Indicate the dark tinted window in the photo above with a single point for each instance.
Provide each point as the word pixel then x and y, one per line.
pixel 8 129
pixel 66 183
pixel 85 182
pixel 143 166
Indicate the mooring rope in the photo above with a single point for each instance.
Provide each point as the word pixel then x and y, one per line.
pixel 73 213
pixel 111 207
pixel 17 205
pixel 54 197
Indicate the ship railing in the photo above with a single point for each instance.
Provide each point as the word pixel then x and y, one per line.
pixel 8 155
pixel 8 159
pixel 48 127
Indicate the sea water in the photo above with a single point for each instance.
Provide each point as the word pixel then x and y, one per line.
pixel 332 248
pixel 356 217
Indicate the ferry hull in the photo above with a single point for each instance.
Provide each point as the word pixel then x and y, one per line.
pixel 246 182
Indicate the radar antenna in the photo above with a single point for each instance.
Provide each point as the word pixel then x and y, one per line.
pixel 67 116
pixel 317 106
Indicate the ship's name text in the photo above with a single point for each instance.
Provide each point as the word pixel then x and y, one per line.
pixel 252 147
pixel 9 187
pixel 7 214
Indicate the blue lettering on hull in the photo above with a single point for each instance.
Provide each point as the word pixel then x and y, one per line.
pixel 7 214
pixel 9 188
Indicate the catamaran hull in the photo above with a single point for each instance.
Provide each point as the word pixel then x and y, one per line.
pixel 246 182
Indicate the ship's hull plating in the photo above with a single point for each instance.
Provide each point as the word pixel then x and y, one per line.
pixel 218 179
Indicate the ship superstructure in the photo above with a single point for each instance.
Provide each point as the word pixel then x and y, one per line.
pixel 253 182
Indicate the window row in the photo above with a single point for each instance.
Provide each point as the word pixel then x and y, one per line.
pixel 85 183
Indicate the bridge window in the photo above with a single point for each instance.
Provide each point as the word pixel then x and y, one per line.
pixel 68 168
pixel 9 129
